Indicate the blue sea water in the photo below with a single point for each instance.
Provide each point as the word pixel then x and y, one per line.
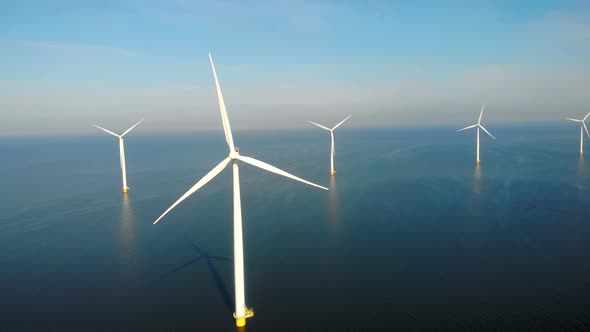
pixel 412 236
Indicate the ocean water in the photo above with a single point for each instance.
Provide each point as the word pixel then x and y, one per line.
pixel 412 236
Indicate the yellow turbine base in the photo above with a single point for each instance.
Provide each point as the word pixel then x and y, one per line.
pixel 241 321
pixel 125 190
pixel 477 161
pixel 332 173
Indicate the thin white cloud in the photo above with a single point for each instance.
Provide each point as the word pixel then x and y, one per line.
pixel 71 48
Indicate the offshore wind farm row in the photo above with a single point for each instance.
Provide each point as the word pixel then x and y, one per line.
pixel 242 311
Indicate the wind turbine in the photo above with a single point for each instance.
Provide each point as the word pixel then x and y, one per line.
pixel 121 151
pixel 478 125
pixel 242 312
pixel 332 151
pixel 582 127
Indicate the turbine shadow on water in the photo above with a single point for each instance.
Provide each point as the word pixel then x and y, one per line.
pixel 202 254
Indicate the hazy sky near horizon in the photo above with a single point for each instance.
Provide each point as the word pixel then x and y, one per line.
pixel 65 64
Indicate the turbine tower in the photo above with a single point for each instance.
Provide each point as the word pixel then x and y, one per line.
pixel 121 151
pixel 242 312
pixel 332 150
pixel 478 125
pixel 582 127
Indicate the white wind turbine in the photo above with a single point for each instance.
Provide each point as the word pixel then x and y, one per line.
pixel 242 312
pixel 332 150
pixel 121 151
pixel 478 125
pixel 582 127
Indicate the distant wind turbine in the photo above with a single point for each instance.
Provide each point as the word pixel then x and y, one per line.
pixel 332 150
pixel 121 151
pixel 478 125
pixel 582 128
pixel 242 312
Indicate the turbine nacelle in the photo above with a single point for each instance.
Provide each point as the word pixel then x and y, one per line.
pixel 235 154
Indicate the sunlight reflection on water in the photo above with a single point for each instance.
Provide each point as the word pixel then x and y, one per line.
pixel 127 234
pixel 477 180
pixel 334 203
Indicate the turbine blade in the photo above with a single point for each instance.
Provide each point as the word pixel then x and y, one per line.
pixel 586 116
pixel 216 170
pixel 128 130
pixel 319 125
pixel 586 129
pixel 475 125
pixel 106 130
pixel 487 132
pixel 574 120
pixel 341 122
pixel 224 119
pixel 275 170
pixel 481 113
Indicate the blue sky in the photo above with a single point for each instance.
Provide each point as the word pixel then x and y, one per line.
pixel 65 64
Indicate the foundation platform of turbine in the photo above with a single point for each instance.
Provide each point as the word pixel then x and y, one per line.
pixel 241 321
